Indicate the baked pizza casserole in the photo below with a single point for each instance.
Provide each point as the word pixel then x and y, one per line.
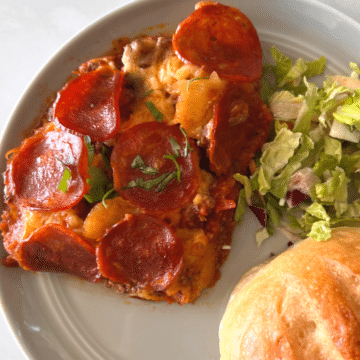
pixel 128 179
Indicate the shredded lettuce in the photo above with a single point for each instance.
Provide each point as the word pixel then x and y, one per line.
pixel 276 157
pixel 349 113
pixel 289 75
pixel 284 105
pixel 314 149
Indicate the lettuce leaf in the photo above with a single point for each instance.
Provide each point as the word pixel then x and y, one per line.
pixel 349 113
pixel 316 129
pixel 276 156
pixel 320 231
pixel 309 109
pixel 284 105
pixel 279 184
pixel 290 76
pixel 334 191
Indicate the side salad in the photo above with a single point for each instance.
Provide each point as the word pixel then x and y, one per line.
pixel 307 178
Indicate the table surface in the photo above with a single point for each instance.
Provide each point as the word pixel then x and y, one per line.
pixel 30 34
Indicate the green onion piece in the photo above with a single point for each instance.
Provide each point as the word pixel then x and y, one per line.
pixel 195 79
pixel 90 148
pixel 154 111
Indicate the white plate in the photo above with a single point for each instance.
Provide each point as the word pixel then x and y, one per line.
pixel 61 318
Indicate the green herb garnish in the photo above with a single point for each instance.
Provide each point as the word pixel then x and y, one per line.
pixel 158 115
pixel 138 163
pixel 195 79
pixel 63 185
pixel 145 184
pixel 147 93
pixel 174 159
pixel 90 148
pixel 167 179
pixel 188 148
pixel 99 184
pixel 109 195
pixel 162 180
pixel 175 147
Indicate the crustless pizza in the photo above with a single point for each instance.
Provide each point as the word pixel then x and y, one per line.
pixel 128 180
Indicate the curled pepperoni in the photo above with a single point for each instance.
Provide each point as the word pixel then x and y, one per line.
pixel 241 126
pixel 55 248
pixel 142 251
pixel 37 167
pixel 151 141
pixel 220 38
pixel 89 105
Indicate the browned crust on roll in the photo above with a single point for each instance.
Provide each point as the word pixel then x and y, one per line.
pixel 305 304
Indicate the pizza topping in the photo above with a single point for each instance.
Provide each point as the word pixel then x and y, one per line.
pixel 241 126
pixel 188 147
pixel 138 163
pixel 196 79
pixel 90 148
pixel 126 199
pixel 99 183
pixel 63 185
pixel 151 142
pixel 158 115
pixel 55 248
pixel 142 251
pixel 37 168
pixel 88 104
pixel 220 38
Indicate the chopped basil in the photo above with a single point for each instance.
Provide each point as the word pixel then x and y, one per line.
pixel 175 147
pixel 158 115
pixel 138 163
pixel 147 93
pixel 173 158
pixel 195 79
pixel 145 184
pixel 167 179
pixel 109 195
pixel 99 183
pixel 162 180
pixel 90 148
pixel 63 185
pixel 188 148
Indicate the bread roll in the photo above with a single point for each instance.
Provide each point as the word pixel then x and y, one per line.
pixel 304 304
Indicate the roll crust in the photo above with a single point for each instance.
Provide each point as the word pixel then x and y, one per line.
pixel 304 304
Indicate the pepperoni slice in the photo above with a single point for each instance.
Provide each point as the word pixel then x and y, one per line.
pixel 220 38
pixel 89 105
pixel 55 248
pixel 151 141
pixel 37 167
pixel 142 251
pixel 241 126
